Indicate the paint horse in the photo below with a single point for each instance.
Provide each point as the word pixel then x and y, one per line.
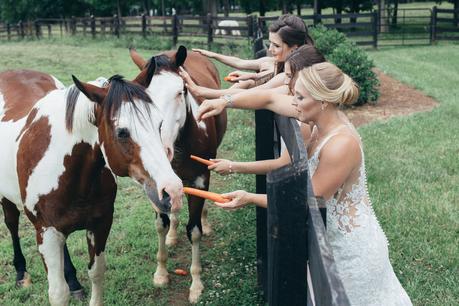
pixel 60 153
pixel 183 135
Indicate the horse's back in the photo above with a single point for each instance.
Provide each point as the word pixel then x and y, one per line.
pixel 20 90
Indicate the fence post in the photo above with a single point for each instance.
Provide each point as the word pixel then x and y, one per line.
pixel 37 29
pixel 93 26
pixel 433 25
pixel 375 29
pixel 144 25
pixel 49 30
pixel 116 26
pixel 73 25
pixel 8 31
pixel 209 30
pixel 175 29
pixel 21 29
pixel 250 27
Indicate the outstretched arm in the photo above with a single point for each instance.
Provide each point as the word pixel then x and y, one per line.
pixel 241 198
pixel 251 99
pixel 233 61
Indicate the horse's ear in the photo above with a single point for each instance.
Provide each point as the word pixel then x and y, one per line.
pixel 144 78
pixel 180 56
pixel 94 93
pixel 137 59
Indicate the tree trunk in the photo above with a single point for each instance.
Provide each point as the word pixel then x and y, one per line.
pixel 382 16
pixel 119 8
pixel 298 8
pixel 284 7
pixel 456 13
pixel 354 10
pixel 227 7
pixel 395 13
pixel 339 10
pixel 317 11
pixel 146 7
pixel 262 7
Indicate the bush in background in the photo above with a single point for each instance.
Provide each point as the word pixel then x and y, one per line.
pixel 352 60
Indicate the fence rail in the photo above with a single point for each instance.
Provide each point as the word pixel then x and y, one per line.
pixel 409 26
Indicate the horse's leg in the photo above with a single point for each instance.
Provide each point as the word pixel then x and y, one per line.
pixel 51 247
pixel 194 232
pixel 171 238
pixel 76 290
pixel 206 228
pixel 161 276
pixel 97 240
pixel 11 215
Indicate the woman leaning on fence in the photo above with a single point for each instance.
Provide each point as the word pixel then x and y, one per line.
pixel 336 163
pixel 285 35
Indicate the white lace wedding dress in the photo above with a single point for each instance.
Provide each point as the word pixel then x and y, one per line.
pixel 358 243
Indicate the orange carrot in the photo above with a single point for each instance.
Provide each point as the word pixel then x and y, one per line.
pixel 202 160
pixel 228 78
pixel 205 194
pixel 181 272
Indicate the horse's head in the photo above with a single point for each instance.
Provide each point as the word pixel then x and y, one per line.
pixel 129 124
pixel 168 91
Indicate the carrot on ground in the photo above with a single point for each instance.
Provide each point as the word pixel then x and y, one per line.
pixel 181 272
pixel 202 160
pixel 205 194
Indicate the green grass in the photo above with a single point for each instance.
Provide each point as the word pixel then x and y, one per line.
pixel 412 165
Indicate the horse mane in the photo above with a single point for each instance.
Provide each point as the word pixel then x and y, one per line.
pixel 163 62
pixel 119 91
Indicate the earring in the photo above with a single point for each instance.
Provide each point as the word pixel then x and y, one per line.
pixel 322 107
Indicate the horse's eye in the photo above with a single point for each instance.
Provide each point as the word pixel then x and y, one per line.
pixel 122 133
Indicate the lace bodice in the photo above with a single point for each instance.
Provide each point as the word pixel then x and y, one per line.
pixel 358 242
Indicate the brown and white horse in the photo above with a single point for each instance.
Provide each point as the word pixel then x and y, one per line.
pixel 183 135
pixel 61 152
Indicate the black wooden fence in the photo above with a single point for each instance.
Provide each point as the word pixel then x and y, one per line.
pixel 294 262
pixel 411 26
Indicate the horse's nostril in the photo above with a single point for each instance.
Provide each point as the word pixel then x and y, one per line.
pixel 166 196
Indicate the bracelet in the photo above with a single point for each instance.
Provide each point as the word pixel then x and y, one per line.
pixel 230 167
pixel 229 100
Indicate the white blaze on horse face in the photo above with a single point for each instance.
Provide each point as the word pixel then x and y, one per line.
pixel 166 90
pixel 144 131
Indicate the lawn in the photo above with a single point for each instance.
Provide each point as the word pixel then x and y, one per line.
pixel 413 171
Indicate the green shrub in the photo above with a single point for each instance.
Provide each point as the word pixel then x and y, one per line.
pixel 351 59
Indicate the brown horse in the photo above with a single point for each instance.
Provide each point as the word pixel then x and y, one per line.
pixel 60 154
pixel 183 135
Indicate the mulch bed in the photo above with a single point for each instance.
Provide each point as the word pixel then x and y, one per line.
pixel 396 99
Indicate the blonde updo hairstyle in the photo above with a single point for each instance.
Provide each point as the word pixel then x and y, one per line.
pixel 327 83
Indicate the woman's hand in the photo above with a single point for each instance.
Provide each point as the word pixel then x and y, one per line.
pixel 239 199
pixel 241 75
pixel 204 52
pixel 221 166
pixel 195 90
pixel 209 108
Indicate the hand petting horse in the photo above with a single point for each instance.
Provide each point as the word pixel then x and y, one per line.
pixel 60 153
pixel 182 136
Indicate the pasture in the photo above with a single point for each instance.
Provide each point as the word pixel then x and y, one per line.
pixel 413 172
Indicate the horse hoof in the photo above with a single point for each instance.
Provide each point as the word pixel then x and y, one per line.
pixel 25 282
pixel 160 280
pixel 78 295
pixel 206 230
pixel 195 294
pixel 171 241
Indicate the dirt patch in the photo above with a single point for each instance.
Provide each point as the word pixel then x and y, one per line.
pixel 396 99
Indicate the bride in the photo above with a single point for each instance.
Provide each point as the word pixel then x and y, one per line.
pixel 337 167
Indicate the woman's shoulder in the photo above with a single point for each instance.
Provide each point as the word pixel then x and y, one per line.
pixel 342 147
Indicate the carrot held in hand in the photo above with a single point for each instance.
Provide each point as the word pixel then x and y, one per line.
pixel 205 194
pixel 202 160
pixel 228 78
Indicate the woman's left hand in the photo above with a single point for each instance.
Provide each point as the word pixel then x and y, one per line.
pixel 194 89
pixel 239 199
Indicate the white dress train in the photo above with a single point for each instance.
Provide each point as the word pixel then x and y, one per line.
pixel 358 243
